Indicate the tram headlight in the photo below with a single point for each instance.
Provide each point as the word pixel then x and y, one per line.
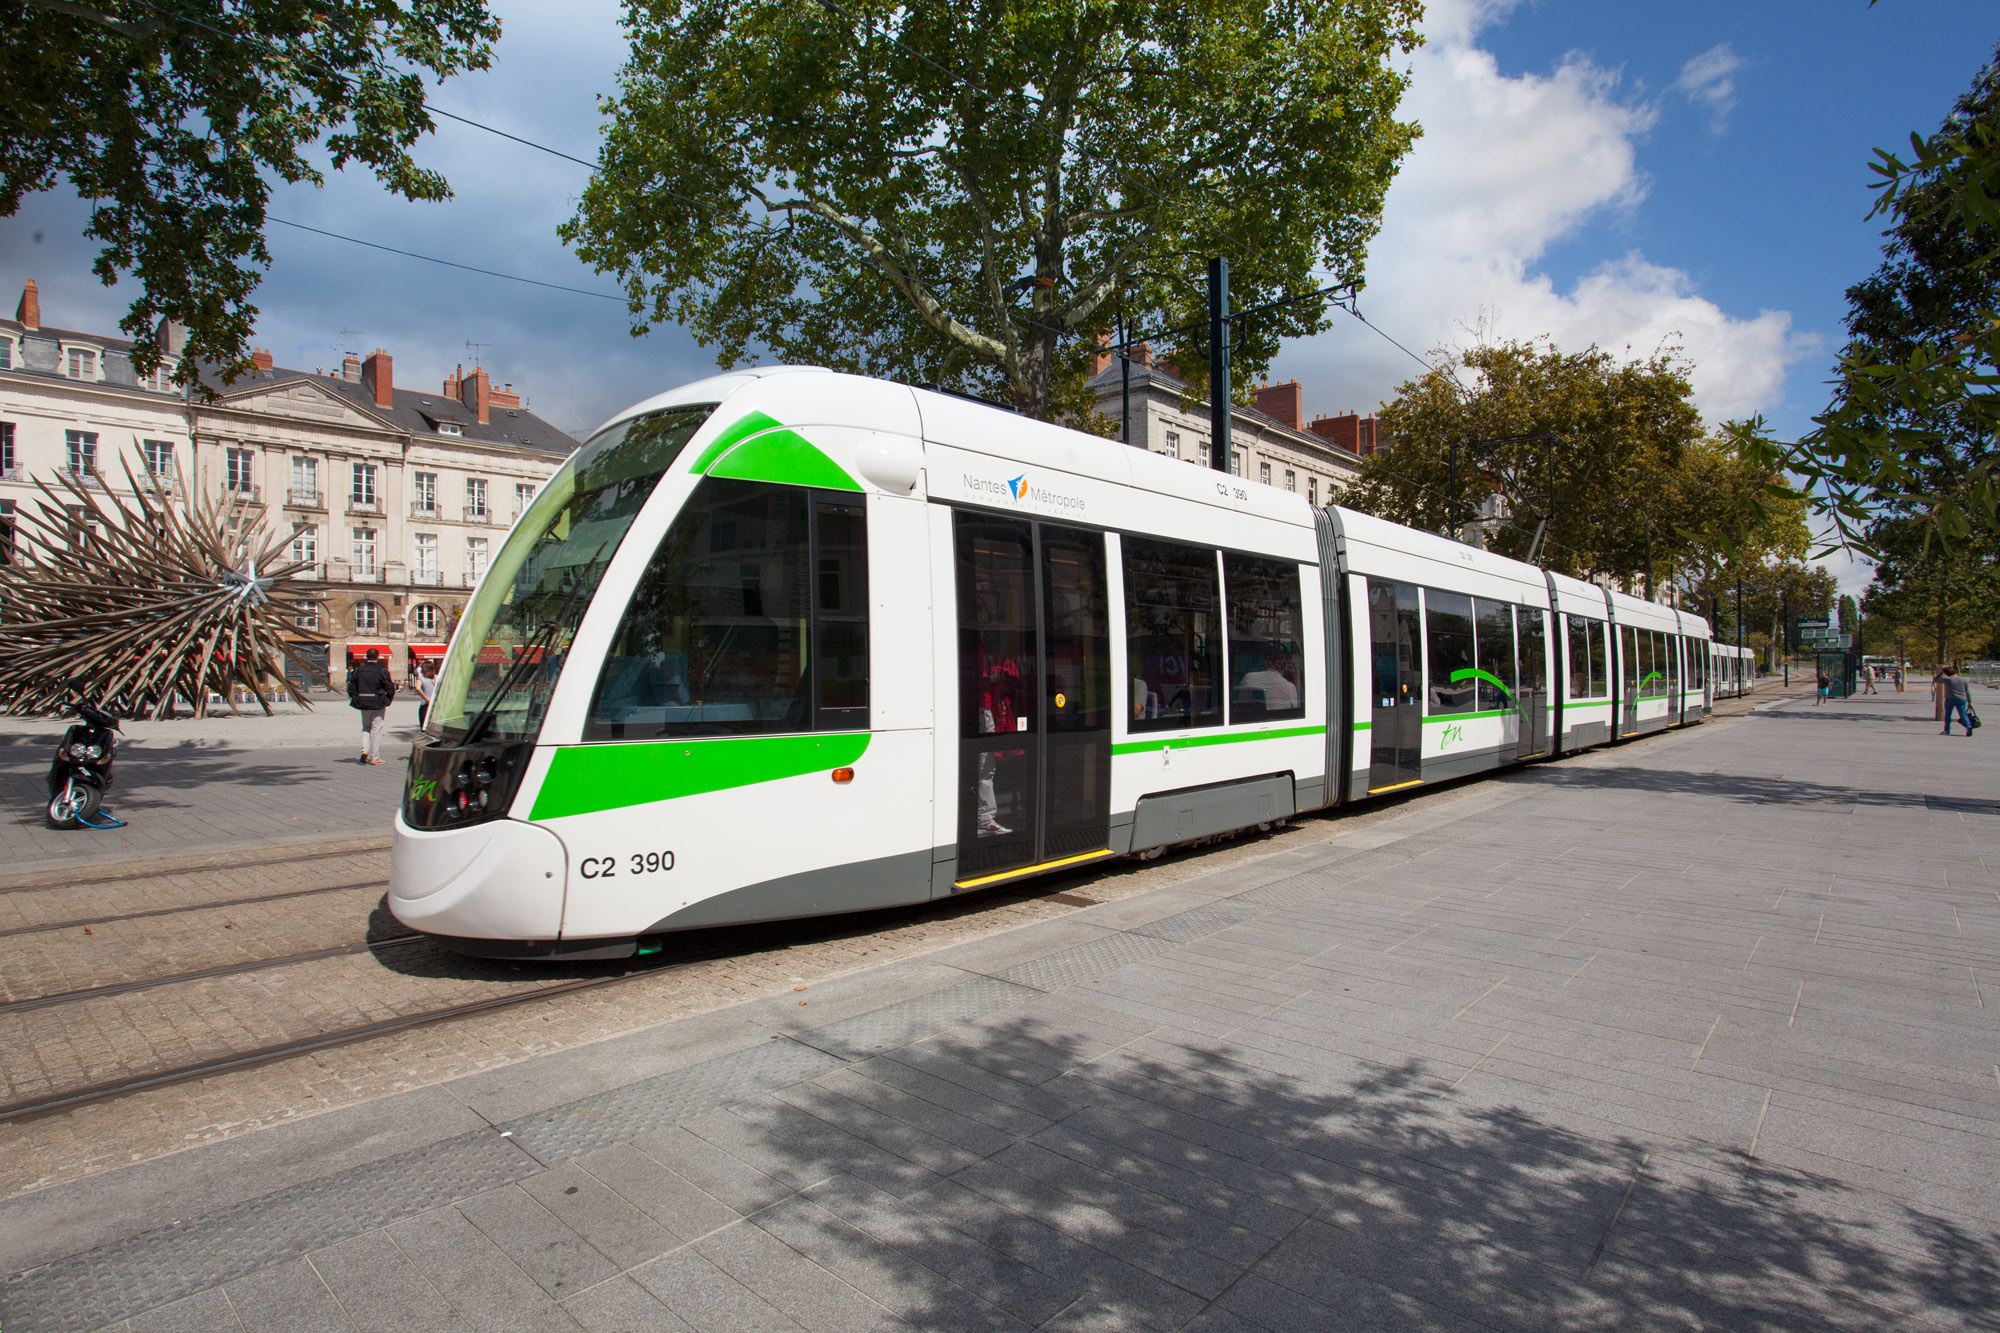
pixel 451 787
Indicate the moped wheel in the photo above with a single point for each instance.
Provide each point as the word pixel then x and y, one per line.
pixel 67 804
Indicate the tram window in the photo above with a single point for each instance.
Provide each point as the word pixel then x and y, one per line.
pixel 1579 656
pixel 1630 653
pixel 716 638
pixel 1494 651
pixel 840 615
pixel 1448 640
pixel 1530 626
pixel 1171 599
pixel 1673 665
pixel 1266 680
pixel 1600 659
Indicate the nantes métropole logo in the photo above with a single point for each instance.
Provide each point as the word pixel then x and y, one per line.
pixel 1018 488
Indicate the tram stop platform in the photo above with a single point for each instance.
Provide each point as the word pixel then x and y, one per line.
pixel 1687 1034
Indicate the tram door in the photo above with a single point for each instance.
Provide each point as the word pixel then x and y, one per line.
pixel 1534 696
pixel 1628 694
pixel 1034 665
pixel 1396 725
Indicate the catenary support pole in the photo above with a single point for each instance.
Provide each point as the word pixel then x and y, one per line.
pixel 1219 432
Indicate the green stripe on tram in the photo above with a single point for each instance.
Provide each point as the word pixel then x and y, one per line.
pixel 758 448
pixel 584 779
pixel 1474 673
pixel 1195 742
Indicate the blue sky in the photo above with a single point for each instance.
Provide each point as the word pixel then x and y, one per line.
pixel 1598 172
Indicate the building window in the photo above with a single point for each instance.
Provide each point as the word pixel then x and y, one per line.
pixel 425 618
pixel 364 494
pixel 6 532
pixel 424 495
pixel 6 448
pixel 475 499
pixel 367 617
pixel 82 363
pixel 1173 449
pixel 305 543
pixel 305 480
pixel 240 471
pixel 1291 481
pixel 159 459
pixel 364 552
pixel 524 495
pixel 427 557
pixel 1312 490
pixel 6 353
pixel 82 448
pixel 475 558
pixel 308 616
pixel 1264 473
pixel 1235 463
pixel 449 428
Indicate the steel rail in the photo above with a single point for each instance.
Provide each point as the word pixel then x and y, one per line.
pixel 189 907
pixel 71 882
pixel 229 970
pixel 13 1112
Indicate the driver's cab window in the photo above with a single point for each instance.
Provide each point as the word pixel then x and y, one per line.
pixel 750 618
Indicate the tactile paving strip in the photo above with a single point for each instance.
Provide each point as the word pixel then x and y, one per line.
pixel 1086 962
pixel 899 1024
pixel 1198 923
pixel 130 1276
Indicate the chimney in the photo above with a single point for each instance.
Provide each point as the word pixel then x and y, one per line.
pixel 1286 402
pixel 378 377
pixel 350 368
pixel 260 357
pixel 503 397
pixel 1343 431
pixel 171 335
pixel 476 392
pixel 29 312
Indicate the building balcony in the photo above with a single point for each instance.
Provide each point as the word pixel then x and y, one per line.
pixel 470 580
pixel 84 477
pixel 356 505
pixel 418 509
pixel 11 472
pixel 245 491
pixel 479 516
pixel 310 498
pixel 313 572
pixel 426 578
pixel 364 576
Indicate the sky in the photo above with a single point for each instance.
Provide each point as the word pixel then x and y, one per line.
pixel 1633 176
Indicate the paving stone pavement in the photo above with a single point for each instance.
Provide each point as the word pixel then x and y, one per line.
pixel 1690 1034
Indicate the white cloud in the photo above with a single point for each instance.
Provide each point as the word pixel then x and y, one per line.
pixel 1508 167
pixel 1709 82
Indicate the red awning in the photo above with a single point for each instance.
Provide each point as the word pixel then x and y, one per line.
pixel 427 650
pixel 357 651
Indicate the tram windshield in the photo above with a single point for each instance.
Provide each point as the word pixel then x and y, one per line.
pixel 510 647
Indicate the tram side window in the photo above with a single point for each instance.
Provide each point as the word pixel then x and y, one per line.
pixel 1673 665
pixel 1579 656
pixel 1266 679
pixel 1171 600
pixel 1600 659
pixel 1531 623
pixel 719 636
pixel 1449 652
pixel 1494 650
pixel 1630 653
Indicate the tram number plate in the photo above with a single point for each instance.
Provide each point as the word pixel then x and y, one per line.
pixel 631 863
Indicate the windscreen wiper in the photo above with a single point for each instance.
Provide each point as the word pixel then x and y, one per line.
pixel 531 652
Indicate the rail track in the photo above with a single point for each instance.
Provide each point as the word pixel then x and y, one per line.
pixel 113 918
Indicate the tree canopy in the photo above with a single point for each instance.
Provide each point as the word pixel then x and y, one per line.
pixel 1911 430
pixel 971 193
pixel 1604 459
pixel 172 116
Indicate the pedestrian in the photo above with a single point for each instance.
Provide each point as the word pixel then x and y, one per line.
pixel 1825 683
pixel 1868 682
pixel 426 684
pixel 370 689
pixel 1957 699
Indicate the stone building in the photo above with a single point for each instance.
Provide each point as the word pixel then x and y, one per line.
pixel 1273 443
pixel 396 498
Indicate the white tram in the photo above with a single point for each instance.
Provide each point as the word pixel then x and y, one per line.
pixel 786 643
pixel 1734 670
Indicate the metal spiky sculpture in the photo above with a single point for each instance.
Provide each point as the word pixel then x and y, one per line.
pixel 146 599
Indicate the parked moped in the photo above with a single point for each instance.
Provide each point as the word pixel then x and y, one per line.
pixel 82 769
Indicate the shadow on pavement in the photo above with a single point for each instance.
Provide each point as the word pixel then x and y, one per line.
pixel 1125 1192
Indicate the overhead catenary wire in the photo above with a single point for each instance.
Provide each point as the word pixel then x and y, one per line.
pixel 448 263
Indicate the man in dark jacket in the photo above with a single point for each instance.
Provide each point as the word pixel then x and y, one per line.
pixel 370 690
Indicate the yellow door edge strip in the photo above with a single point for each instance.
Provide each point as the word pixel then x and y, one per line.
pixel 1396 786
pixel 1019 871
